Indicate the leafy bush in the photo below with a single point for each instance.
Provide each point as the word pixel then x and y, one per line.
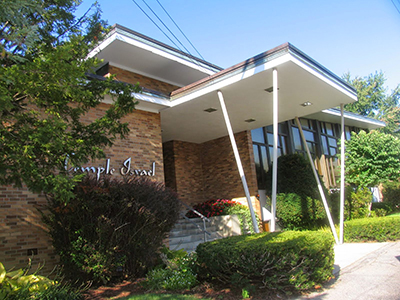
pixel 297 213
pixel 381 209
pixel 391 195
pixel 19 285
pixel 280 260
pixel 223 207
pixel 178 273
pixel 295 175
pixel 358 204
pixel 112 228
pixel 372 229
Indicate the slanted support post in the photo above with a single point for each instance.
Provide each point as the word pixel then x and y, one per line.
pixel 275 147
pixel 238 161
pixel 321 191
pixel 342 159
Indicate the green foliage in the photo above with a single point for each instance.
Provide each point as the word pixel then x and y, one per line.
pixel 295 175
pixel 381 209
pixel 45 93
pixel 391 195
pixel 296 213
pixel 19 285
pixel 179 273
pixel 372 158
pixel 244 216
pixel 223 207
pixel 281 260
pixel 358 205
pixel 382 229
pixel 112 228
pixel 374 100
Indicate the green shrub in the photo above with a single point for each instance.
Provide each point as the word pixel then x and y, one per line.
pixel 281 260
pixel 372 229
pixel 297 213
pixel 179 273
pixel 244 216
pixel 19 285
pixel 358 204
pixel 381 209
pixel 295 175
pixel 391 195
pixel 112 228
pixel 223 207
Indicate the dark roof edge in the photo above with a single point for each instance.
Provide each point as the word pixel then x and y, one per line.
pixel 189 56
pixel 277 51
pixel 240 66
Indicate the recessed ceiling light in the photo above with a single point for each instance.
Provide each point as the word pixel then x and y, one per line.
pixel 270 89
pixel 250 120
pixel 210 110
pixel 306 104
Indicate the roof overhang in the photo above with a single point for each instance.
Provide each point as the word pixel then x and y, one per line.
pixel 333 115
pixel 132 51
pixel 244 86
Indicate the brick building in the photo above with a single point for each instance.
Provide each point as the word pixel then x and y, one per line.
pixel 178 134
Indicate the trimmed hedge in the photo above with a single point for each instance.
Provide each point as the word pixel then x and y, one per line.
pixel 289 260
pixel 372 229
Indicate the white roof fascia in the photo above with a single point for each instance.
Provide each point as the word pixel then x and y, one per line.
pixel 355 117
pixel 229 79
pixel 146 102
pixel 322 75
pixel 173 56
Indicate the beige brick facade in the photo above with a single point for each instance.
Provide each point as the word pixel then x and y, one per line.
pixel 22 232
pixel 200 172
pixel 146 82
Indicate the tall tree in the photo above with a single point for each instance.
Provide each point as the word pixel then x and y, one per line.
pixel 45 92
pixel 374 100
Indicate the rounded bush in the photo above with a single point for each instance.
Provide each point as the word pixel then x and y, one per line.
pixel 297 213
pixel 112 228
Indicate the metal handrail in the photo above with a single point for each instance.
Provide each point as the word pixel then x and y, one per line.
pixel 203 218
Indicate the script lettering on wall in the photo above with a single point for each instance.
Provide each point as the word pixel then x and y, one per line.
pixel 125 170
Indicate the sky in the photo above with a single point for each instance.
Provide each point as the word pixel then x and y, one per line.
pixel 356 36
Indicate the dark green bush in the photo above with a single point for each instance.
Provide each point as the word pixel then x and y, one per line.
pixel 295 175
pixel 289 260
pixel 112 228
pixel 178 273
pixel 381 209
pixel 297 213
pixel 358 204
pixel 372 229
pixel 391 195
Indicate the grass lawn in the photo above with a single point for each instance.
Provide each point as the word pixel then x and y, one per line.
pixel 160 297
pixel 394 215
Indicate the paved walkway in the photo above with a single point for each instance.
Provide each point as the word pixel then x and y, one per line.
pixel 364 271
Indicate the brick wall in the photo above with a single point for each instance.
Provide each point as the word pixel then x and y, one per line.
pixel 201 172
pixel 23 231
pixel 20 221
pixel 183 164
pixel 221 176
pixel 147 82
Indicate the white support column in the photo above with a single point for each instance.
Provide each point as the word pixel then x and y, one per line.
pixel 275 147
pixel 321 191
pixel 342 159
pixel 238 161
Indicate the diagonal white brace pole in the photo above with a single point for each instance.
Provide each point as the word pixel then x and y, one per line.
pixel 275 147
pixel 342 158
pixel 321 191
pixel 238 161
